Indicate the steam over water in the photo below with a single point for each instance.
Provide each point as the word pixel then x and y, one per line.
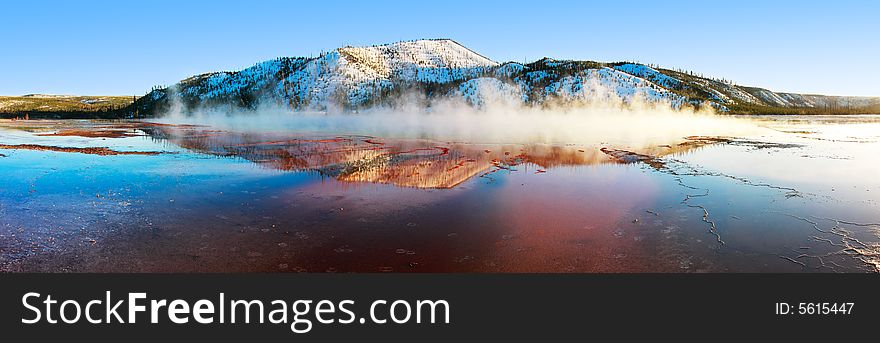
pixel 500 189
pixel 635 124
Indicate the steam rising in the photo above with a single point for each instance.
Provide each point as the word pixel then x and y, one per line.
pixel 605 121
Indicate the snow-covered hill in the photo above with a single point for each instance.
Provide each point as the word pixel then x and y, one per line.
pixel 353 78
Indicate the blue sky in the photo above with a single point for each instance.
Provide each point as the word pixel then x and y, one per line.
pixel 124 48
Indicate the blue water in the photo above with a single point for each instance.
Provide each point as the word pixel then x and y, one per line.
pixel 806 208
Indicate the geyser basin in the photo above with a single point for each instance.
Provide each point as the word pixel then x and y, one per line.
pixel 217 195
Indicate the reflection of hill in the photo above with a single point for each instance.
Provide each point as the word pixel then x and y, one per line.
pixel 407 163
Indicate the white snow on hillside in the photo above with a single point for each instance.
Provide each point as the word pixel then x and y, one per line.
pixel 440 60
pixel 772 98
pixel 609 84
pixel 649 74
pixel 362 76
pixel 824 101
pixel 221 84
pixel 727 93
pixel 360 73
pixel 488 90
pixel 509 69
pixel 355 74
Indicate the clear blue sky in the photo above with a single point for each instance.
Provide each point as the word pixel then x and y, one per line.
pixel 119 47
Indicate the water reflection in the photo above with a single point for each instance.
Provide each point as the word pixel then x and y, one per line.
pixel 401 162
pixel 798 195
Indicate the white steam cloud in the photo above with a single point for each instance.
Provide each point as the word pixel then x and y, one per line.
pixel 606 121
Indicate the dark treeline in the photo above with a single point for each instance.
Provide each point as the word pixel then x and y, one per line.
pixel 72 114
pixel 821 110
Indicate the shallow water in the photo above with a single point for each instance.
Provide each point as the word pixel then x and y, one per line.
pixel 796 194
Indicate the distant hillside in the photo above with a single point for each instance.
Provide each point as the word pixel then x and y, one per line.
pixel 43 105
pixel 420 72
pixel 353 78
